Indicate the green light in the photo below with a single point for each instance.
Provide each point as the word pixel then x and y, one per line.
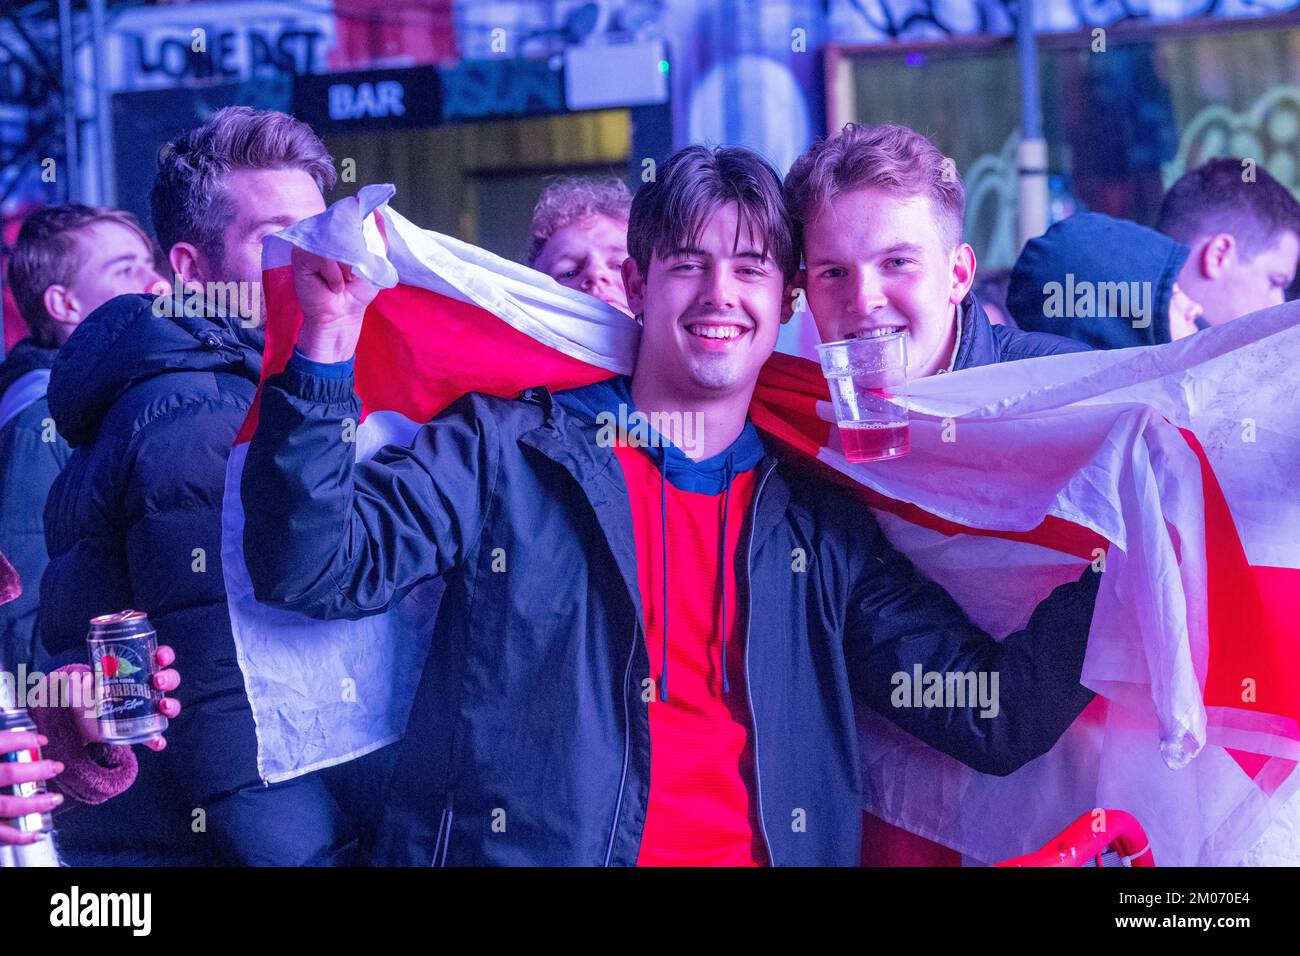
pixel 663 66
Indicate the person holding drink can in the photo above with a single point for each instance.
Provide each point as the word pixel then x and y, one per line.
pixel 66 746
pixel 62 743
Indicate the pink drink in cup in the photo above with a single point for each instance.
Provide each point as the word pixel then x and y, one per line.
pixel 868 385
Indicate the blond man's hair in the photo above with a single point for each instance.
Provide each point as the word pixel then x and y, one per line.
pixel 571 199
pixel 895 159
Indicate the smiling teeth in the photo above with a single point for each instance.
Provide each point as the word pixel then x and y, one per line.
pixel 715 331
pixel 878 331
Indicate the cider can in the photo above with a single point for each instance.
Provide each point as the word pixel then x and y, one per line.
pixel 122 647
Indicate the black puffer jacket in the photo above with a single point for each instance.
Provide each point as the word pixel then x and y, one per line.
pixel 31 455
pixel 150 406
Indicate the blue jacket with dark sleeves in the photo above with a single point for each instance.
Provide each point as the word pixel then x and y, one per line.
pixel 530 711
pixel 32 453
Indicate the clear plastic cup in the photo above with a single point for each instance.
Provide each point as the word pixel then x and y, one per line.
pixel 868 384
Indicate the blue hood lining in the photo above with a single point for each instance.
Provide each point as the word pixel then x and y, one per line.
pixel 709 476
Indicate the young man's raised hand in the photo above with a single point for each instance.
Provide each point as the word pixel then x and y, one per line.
pixel 333 299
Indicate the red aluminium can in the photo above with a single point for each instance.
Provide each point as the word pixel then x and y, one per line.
pixel 122 647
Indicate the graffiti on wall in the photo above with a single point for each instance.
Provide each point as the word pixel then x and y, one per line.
pixel 539 28
pixel 1268 131
pixel 879 21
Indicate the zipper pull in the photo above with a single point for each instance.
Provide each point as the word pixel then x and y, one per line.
pixel 212 339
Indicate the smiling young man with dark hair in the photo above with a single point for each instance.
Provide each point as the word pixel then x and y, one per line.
pixel 654 680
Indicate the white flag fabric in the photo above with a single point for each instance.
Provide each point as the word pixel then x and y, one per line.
pixel 1187 633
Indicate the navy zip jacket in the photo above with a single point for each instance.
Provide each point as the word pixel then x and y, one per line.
pixel 528 742
pixel 983 343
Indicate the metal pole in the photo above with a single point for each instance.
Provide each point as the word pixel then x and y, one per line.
pixel 71 175
pixel 103 107
pixel 1032 153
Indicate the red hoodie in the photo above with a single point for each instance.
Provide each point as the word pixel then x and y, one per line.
pixel 702 809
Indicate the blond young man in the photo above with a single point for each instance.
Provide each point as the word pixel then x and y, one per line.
pixel 68 261
pixel 578 236
pixel 878 211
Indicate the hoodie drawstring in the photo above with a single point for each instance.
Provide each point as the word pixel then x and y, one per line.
pixel 663 520
pixel 722 570
pixel 728 475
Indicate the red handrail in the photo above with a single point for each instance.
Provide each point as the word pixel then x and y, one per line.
pixel 1088 837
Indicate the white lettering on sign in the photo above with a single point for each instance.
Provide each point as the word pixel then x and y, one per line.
pixel 155 47
pixel 348 102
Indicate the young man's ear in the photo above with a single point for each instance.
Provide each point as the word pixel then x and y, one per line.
pixel 634 286
pixel 963 273
pixel 61 304
pixel 184 260
pixel 1217 255
pixel 796 300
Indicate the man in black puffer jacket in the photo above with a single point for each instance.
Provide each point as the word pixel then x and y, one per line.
pixel 151 406
pixel 150 397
